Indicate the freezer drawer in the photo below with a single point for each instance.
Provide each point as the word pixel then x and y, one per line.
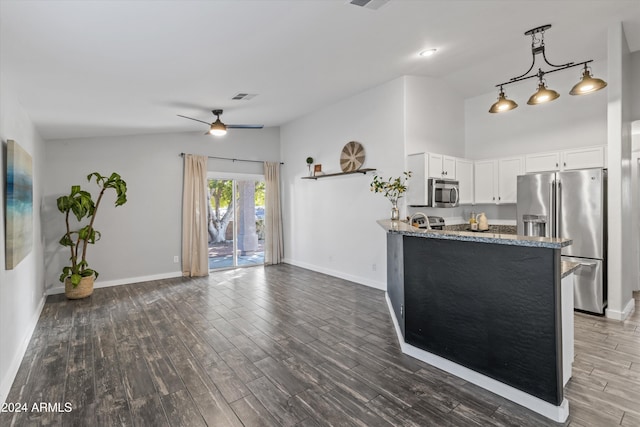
pixel 589 289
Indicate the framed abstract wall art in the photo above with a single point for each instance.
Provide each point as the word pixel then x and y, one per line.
pixel 19 205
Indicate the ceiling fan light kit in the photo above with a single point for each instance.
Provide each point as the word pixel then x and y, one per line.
pixel 587 84
pixel 217 128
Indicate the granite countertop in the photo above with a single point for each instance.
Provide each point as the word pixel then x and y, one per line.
pixel 404 228
pixel 569 267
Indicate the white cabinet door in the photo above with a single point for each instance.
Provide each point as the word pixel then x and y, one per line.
pixel 508 171
pixel 583 158
pixel 417 184
pixel 449 167
pixel 542 162
pixel 464 174
pixel 484 179
pixel 435 166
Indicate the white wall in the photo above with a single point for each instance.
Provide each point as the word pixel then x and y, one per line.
pixel 21 289
pixel 619 114
pixel 567 122
pixel 330 224
pixel 434 117
pixel 635 85
pixel 140 238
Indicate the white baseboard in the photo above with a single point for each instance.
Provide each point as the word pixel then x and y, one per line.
pixel 555 413
pixel 127 281
pixel 621 315
pixel 7 381
pixel 335 273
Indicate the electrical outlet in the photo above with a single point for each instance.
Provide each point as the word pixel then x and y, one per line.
pixel 176 259
pixel 374 267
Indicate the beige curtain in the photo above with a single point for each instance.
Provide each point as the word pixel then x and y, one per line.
pixel 273 240
pixel 195 256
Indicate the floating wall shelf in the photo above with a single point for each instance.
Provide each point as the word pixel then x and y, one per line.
pixel 362 171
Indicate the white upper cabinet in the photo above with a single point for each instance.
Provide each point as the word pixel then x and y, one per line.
pixel 583 158
pixel 442 166
pixel 464 174
pixel 542 162
pixel 508 171
pixel 484 181
pixel 496 180
pixel 578 158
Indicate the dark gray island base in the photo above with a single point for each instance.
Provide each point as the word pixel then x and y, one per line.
pixel 487 308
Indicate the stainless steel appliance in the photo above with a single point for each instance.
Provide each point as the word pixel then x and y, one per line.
pixel 572 205
pixel 421 220
pixel 443 193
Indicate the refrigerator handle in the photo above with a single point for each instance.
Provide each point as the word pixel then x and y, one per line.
pixel 552 209
pixel 559 209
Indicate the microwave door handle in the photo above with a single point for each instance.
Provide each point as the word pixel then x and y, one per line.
pixel 457 195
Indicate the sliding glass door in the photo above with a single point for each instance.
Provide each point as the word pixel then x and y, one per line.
pixel 236 220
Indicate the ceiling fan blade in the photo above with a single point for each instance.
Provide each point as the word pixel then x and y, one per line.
pixel 244 126
pixel 191 118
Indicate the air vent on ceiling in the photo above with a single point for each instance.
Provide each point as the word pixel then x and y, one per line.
pixel 369 4
pixel 245 96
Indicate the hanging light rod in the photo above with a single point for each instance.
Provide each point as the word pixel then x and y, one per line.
pixel 586 85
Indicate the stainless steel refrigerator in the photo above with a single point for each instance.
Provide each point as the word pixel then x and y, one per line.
pixel 572 205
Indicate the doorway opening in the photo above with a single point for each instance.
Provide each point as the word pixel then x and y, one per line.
pixel 236 221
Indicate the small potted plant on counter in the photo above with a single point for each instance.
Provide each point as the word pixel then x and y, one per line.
pixel 78 278
pixel 393 189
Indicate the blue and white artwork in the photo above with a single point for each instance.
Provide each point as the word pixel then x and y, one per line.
pixel 19 214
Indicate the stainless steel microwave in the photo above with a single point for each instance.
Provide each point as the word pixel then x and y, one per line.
pixel 443 193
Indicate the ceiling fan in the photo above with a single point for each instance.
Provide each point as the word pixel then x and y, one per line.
pixel 218 128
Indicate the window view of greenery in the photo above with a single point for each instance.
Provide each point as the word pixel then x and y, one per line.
pixel 238 204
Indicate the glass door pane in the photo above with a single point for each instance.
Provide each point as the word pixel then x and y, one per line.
pixel 236 223
pixel 250 223
pixel 221 212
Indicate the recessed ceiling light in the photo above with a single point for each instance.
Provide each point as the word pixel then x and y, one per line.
pixel 428 52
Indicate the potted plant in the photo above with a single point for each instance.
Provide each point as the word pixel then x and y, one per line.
pixel 309 163
pixel 392 189
pixel 78 278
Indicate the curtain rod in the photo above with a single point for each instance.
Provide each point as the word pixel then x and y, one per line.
pixel 233 160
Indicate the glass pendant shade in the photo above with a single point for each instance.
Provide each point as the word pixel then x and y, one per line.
pixel 218 128
pixel 502 104
pixel 542 95
pixel 587 84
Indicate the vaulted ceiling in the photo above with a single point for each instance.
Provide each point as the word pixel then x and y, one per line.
pixel 98 68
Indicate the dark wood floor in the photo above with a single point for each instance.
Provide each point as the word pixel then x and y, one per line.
pixel 279 346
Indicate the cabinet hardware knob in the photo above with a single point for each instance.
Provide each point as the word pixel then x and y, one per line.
pixel 565 163
pixel 499 198
pixel 493 198
pixel 556 165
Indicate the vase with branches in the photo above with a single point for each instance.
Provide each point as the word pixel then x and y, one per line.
pixel 393 189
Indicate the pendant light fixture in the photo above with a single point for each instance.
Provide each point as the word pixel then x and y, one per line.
pixel 543 94
pixel 587 84
pixel 502 104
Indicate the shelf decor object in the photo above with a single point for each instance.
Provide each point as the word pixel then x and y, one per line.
pixel 352 157
pixel 586 85
pixel 309 163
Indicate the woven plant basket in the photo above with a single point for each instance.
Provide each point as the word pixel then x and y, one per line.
pixel 83 290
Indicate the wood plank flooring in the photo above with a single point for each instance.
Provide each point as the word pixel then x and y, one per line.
pixel 280 346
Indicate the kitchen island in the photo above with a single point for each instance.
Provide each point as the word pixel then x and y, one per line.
pixel 486 307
